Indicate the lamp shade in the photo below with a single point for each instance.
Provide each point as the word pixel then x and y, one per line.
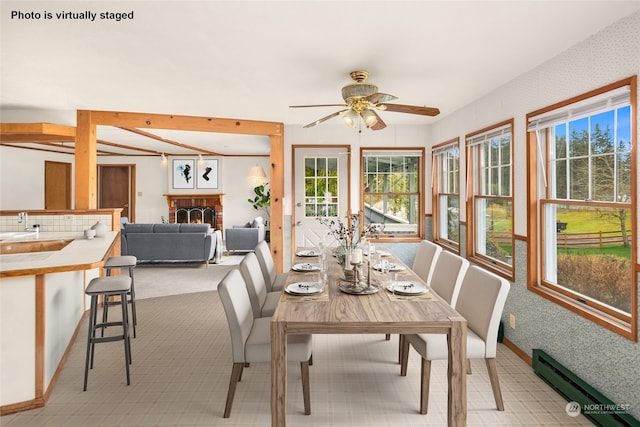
pixel 369 117
pixel 350 118
pixel 257 176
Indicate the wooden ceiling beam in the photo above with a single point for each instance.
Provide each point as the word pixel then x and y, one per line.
pixel 169 141
pixel 36 132
pixel 177 122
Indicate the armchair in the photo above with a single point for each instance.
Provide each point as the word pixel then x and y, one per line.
pixel 245 237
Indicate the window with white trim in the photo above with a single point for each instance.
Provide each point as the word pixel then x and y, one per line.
pixel 446 197
pixel 392 190
pixel 586 202
pixel 490 199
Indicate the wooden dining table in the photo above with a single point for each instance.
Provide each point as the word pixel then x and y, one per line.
pixel 337 312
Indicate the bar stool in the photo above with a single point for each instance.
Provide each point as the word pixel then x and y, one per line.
pixel 107 287
pixel 129 262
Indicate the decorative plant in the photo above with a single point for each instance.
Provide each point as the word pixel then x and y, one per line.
pixel 348 235
pixel 262 199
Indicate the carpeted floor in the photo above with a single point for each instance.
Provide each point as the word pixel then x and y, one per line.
pixel 182 363
pixel 156 280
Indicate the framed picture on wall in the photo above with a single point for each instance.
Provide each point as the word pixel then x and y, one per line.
pixel 208 173
pixel 183 173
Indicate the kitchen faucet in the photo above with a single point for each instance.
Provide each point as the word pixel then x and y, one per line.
pixel 23 216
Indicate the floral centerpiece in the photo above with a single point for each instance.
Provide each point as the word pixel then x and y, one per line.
pixel 349 234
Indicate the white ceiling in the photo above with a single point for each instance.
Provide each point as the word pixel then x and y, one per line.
pixel 251 60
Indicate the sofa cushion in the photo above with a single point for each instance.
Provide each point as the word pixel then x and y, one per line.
pixel 166 228
pixel 257 222
pixel 137 228
pixel 195 228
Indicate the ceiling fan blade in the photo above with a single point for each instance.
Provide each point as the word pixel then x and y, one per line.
pixel 324 119
pixel 412 109
pixel 380 124
pixel 318 105
pixel 380 97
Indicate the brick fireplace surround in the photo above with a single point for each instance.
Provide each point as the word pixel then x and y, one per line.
pixel 195 208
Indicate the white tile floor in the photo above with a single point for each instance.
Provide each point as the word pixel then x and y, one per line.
pixel 182 362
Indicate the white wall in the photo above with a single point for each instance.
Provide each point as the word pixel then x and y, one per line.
pixel 22 183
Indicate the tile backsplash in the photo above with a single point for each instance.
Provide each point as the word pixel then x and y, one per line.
pixel 64 223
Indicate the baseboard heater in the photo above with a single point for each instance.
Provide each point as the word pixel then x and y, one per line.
pixel 594 405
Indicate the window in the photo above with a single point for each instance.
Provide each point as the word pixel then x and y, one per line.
pixel 392 191
pixel 490 203
pixel 586 205
pixel 446 188
pixel 320 186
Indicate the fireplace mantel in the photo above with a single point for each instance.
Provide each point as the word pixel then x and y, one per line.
pixel 198 203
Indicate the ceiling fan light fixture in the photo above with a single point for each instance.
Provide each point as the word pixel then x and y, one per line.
pixel 350 118
pixel 369 118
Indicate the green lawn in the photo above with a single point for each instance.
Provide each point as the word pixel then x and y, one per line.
pixel 589 221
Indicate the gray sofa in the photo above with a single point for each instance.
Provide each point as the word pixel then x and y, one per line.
pixel 245 237
pixel 168 242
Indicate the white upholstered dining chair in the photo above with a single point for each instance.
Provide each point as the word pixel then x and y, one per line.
pixel 481 301
pixel 274 281
pixel 251 338
pixel 446 279
pixel 447 276
pixel 263 302
pixel 425 260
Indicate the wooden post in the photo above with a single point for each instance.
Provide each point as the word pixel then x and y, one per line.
pixel 86 159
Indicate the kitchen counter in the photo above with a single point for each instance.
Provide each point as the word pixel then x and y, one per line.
pixel 80 254
pixel 42 304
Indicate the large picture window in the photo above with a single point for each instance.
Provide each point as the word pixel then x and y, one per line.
pixel 446 197
pixel 490 201
pixel 392 190
pixel 585 166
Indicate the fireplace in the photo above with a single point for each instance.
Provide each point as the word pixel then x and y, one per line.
pixel 196 208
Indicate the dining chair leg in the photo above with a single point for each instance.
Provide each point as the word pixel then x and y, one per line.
pixel 387 337
pixel 236 373
pixel 311 360
pixel 306 396
pixel 404 357
pixel 468 366
pixel 495 383
pixel 425 376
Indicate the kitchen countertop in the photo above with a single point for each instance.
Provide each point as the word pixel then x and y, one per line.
pixel 80 254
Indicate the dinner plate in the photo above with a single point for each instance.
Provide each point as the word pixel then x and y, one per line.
pixel 303 288
pixel 305 266
pixel 310 252
pixel 407 288
pixel 392 267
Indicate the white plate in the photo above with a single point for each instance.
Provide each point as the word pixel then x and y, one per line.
pixel 407 288
pixel 305 266
pixel 308 253
pixel 303 288
pixel 392 267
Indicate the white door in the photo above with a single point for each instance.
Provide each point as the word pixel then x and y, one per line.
pixel 321 189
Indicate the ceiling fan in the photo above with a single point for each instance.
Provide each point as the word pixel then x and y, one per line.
pixel 362 99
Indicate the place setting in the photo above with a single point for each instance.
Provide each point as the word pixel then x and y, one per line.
pixel 408 291
pixel 305 267
pixel 306 291
pixel 308 253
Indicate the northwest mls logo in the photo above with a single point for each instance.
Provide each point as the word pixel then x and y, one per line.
pixel 572 409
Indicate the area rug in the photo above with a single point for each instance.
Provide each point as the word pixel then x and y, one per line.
pixel 157 280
